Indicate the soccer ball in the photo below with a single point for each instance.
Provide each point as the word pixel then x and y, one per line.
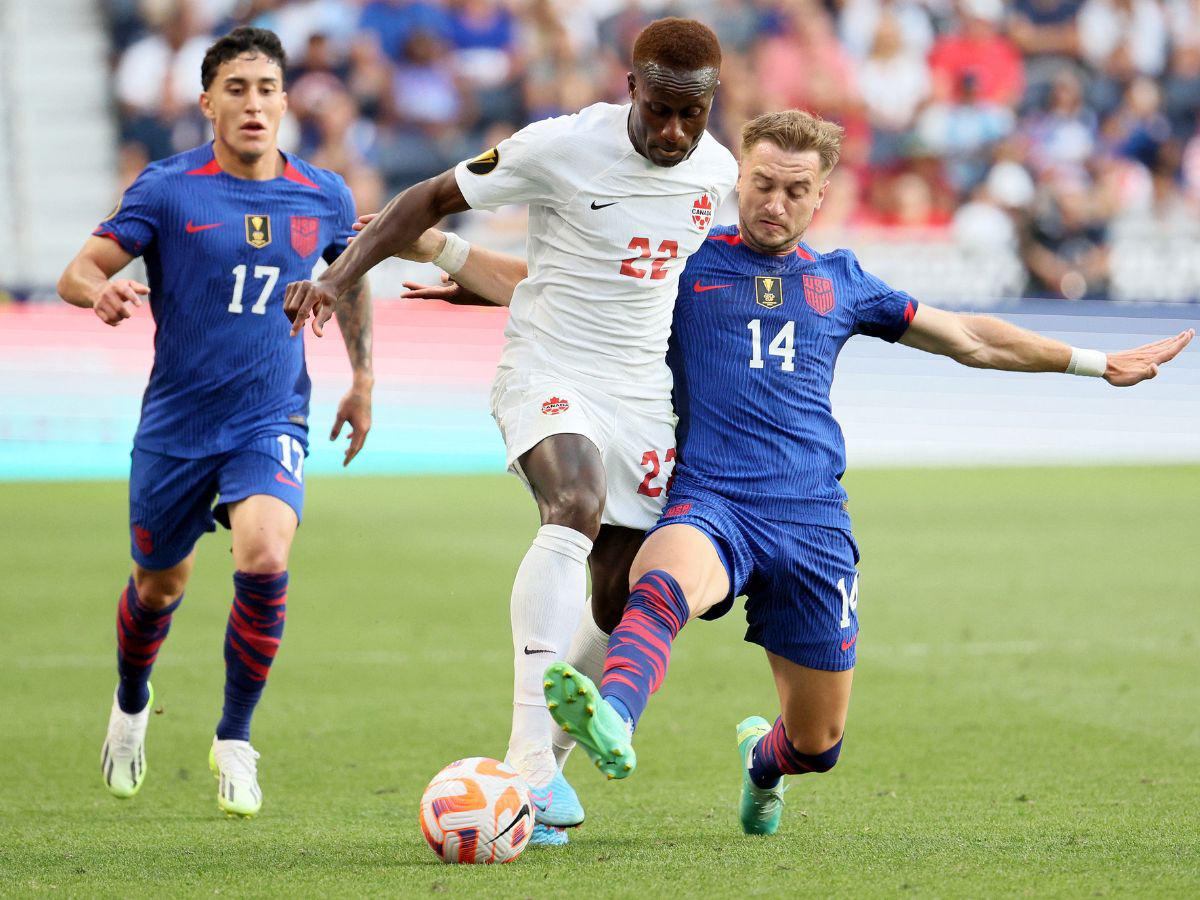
pixel 477 810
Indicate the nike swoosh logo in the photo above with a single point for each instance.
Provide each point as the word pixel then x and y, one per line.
pixel 541 801
pixel 283 479
pixel 846 645
pixel 701 288
pixel 192 229
pixel 596 205
pixel 523 814
pixel 529 652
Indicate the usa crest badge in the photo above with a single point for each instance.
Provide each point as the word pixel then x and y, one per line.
pixel 702 212
pixel 818 293
pixel 258 230
pixel 768 291
pixel 305 230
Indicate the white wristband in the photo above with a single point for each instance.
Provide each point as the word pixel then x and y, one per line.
pixel 453 255
pixel 1092 363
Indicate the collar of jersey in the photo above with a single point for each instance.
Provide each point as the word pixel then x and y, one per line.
pixel 287 164
pixel 802 255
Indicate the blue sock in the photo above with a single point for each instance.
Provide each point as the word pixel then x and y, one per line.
pixel 251 641
pixel 140 632
pixel 640 648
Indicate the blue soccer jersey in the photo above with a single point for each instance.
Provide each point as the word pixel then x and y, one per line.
pixel 219 253
pixel 753 350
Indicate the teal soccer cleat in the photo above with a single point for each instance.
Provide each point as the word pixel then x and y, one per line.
pixel 581 712
pixel 557 804
pixel 760 809
pixel 548 836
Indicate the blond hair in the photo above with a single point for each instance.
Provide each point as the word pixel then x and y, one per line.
pixel 795 130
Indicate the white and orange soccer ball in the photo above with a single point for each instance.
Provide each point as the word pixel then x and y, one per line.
pixel 477 810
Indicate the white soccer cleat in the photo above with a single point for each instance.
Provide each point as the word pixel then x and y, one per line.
pixel 123 756
pixel 235 766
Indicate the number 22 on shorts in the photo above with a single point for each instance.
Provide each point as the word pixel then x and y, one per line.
pixel 650 461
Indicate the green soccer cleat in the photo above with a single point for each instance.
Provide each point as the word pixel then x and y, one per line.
pixel 580 711
pixel 760 809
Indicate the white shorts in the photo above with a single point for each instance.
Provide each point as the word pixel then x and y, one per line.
pixel 636 438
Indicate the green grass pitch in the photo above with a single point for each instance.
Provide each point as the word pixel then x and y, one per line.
pixel 1026 716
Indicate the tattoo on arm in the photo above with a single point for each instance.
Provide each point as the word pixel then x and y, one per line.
pixel 354 320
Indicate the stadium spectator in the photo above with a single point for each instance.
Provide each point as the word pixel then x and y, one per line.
pixel 860 20
pixel 483 35
pixel 157 83
pixel 894 82
pixel 977 47
pixel 1045 33
pixel 1067 246
pixel 1181 90
pixel 804 66
pixel 1062 138
pixel 961 127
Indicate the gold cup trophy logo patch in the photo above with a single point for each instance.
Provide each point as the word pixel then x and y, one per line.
pixel 768 291
pixel 258 231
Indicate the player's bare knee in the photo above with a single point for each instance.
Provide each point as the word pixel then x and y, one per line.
pixel 577 507
pixel 265 559
pixel 158 589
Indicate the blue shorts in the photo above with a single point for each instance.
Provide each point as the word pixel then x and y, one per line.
pixel 800 581
pixel 171 499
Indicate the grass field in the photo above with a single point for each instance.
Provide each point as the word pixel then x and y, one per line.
pixel 1025 718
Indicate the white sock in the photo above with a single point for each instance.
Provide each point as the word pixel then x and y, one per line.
pixel 588 649
pixel 547 601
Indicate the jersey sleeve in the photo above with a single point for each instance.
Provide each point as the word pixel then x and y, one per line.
pixel 344 217
pixel 134 223
pixel 880 311
pixel 525 168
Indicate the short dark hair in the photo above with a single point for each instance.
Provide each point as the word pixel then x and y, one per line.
pixel 241 40
pixel 684 45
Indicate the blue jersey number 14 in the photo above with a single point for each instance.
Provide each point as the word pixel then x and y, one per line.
pixel 782 345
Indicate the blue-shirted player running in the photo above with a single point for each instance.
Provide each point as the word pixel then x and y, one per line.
pixel 756 506
pixel 223 228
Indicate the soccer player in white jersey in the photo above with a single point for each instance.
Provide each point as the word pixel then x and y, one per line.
pixel 619 197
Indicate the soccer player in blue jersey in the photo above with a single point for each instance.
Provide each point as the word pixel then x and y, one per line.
pixel 223 433
pixel 756 506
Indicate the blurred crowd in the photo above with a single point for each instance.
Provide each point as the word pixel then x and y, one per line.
pixel 1030 126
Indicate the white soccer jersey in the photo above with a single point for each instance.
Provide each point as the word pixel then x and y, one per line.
pixel 609 233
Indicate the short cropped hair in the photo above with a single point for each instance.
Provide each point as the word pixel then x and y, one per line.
pixel 684 45
pixel 241 40
pixel 795 130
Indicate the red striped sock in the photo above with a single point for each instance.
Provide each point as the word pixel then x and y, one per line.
pixel 639 650
pixel 774 756
pixel 251 640
pixel 140 632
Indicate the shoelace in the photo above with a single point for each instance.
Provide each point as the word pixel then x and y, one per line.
pixel 123 736
pixel 767 800
pixel 239 762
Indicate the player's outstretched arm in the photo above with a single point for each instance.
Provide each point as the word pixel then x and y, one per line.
pixel 985 342
pixel 85 281
pixel 354 321
pixel 480 277
pixel 399 223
